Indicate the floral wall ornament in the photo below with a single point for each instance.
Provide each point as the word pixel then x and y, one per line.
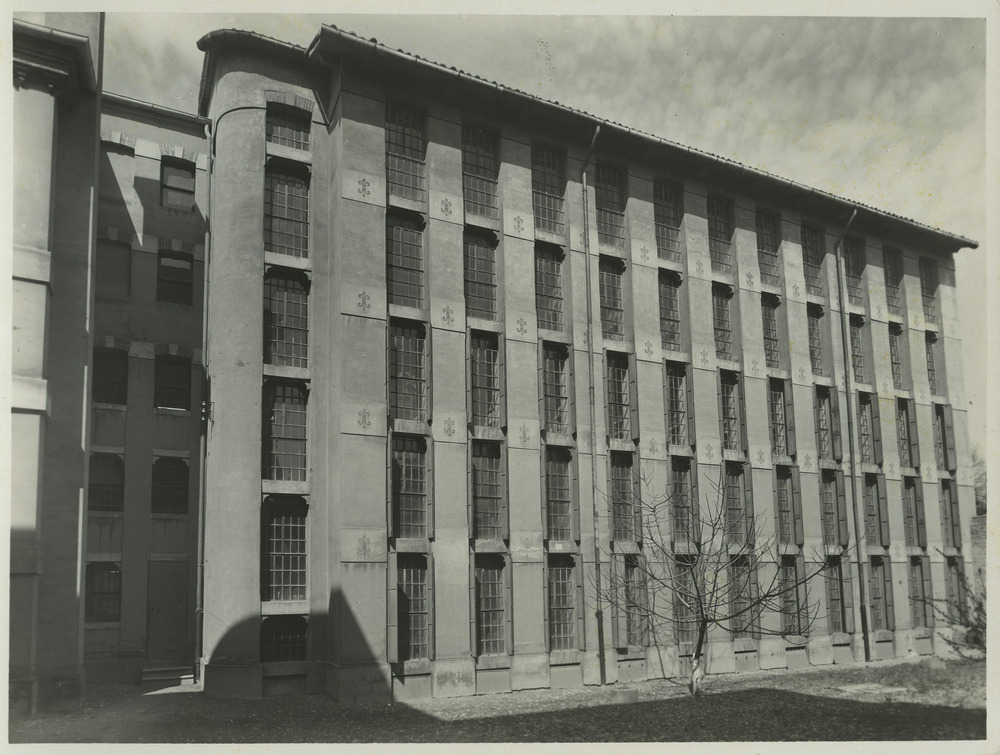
pixel 704 357
pixel 447 315
pixel 525 435
pixel 700 267
pixel 755 365
pixel 802 373
pixel 749 280
pixel 761 455
pixel 807 461
pixel 364 546
pixel 449 427
pixel 519 224
pixel 795 290
pixel 446 207
pixel 709 452
pixel 649 348
pixel 364 418
pixel 364 301
pixel 364 187
pixel 654 447
pixel 522 326
pixel 644 252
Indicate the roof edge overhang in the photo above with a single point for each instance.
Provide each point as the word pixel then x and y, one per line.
pixel 77 42
pixel 121 102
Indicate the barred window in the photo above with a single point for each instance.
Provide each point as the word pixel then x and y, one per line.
pixel 776 411
pixel 721 321
pixel 172 382
pixel 109 384
pixel 409 486
pixel 921 592
pixel 404 272
pixel 720 233
pixel 866 427
pixel 490 609
pixel 871 506
pixel 558 494
pixel 895 359
pixel 881 595
pixel 788 585
pixel 930 345
pixel 668 210
pixel 287 125
pixel 769 318
pixel 938 431
pixel 892 262
pixel 768 240
pixel 611 272
pixel 812 259
pixel 683 507
pixel 170 486
pixel 177 183
pixel 951 524
pixel 685 599
pixel 548 288
pixel 284 431
pixel 857 348
pixel 485 379
pixel 488 505
pixel 955 592
pixel 283 638
pixel 624 506
pixel 912 522
pixel 829 509
pixel 824 423
pixel 555 372
pixel 548 184
pixel 903 433
pixel 106 486
pixel 677 406
pixel 407 371
pixel 854 266
pixel 836 590
pixel 635 600
pixel 815 318
pixel 562 602
pixel 174 277
pixel 480 168
pixel 928 288
pixel 283 562
pixel 740 597
pixel 783 505
pixel 610 192
pixel 286 319
pixel 619 397
pixel 286 213
pixel 413 612
pixel 738 514
pixel 480 277
pixel 405 149
pixel 103 592
pixel 670 311
pixel 730 409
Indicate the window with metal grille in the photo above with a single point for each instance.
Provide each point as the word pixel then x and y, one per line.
pixel 788 586
pixel 685 599
pixel 490 609
pixel 480 168
pixel 670 311
pixel 555 374
pixel 407 371
pixel 740 597
pixel 177 180
pixel 286 318
pixel 286 213
pixel 866 427
pixel 110 381
pixel 548 288
pixel 812 259
pixel 174 277
pixel 824 439
pixel 814 315
pixel 287 125
pixel 871 506
pixel 769 318
pixel 768 241
pixel 835 592
pixel 624 506
pixel 284 441
pixel 937 426
pixel 283 561
pixel 928 288
pixel 413 611
pixel 172 382
pixel 562 603
pixel 930 345
pixel 619 397
pixel 729 409
pixel 954 584
pixel 721 322
pixel 404 269
pixel 283 638
pixel 484 366
pixel 610 193
pixel 677 406
pixel 951 525
pixel 106 486
pixel 892 262
pixel 682 507
pixel 405 150
pixel 480 277
pixel 668 211
pixel 857 348
pixel 895 333
pixel 488 505
pixel 548 185
pixel 720 233
pixel 409 486
pixel 612 299
pixel 903 432
pixel 776 412
pixel 912 523
pixel 737 507
pixel 880 595
pixel 558 494
pixel 783 505
pixel 634 579
pixel 170 486
pixel 103 592
pixel 829 510
pixel 854 267
pixel 921 593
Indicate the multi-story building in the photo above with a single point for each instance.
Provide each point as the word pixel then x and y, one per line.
pixel 449 332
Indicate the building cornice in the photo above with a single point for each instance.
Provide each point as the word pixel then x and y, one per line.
pixel 51 58
pixel 113 102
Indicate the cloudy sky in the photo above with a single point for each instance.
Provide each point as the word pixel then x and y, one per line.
pixel 888 111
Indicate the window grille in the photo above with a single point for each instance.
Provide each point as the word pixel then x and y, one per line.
pixel 824 423
pixel 835 590
pixel 950 522
pixel 930 342
pixel 865 428
pixel 740 596
pixel 404 262
pixel 877 588
pixel 286 320
pixel 721 322
pixel 175 277
pixel 681 505
pixel 668 210
pixel 480 168
pixel 623 503
pixel 768 241
pixel 610 194
pixel 548 289
pixel 635 602
pixel 769 318
pixel 170 486
pixel 480 277
pixel 110 381
pixel 286 213
pixel 776 407
pixel 413 611
pixel 928 288
pixel 407 372
pixel 857 350
pixel 736 507
pixel 558 495
pixel 548 185
pixel 783 504
pixel 405 149
pixel 283 638
pixel 619 398
pixel 490 613
pixel 910 519
pixel 903 432
pixel 892 261
pixel 812 259
pixel 685 599
pixel 720 233
pixel 283 575
pixel 172 382
pixel 488 511
pixel 556 386
pixel 670 312
pixel 730 410
pixel 937 425
pixel 954 584
pixel 103 594
pixel 177 184
pixel 287 125
pixel 894 356
pixel 921 606
pixel 485 379
pixel 409 486
pixel 106 486
pixel 791 617
pixel 677 407
pixel 612 299
pixel 284 432
pixel 828 507
pixel 562 605
pixel 815 317
pixel 854 266
pixel 871 506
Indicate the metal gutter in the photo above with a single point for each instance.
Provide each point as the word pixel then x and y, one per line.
pixel 122 101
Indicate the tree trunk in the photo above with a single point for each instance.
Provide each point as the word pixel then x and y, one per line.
pixel 697 668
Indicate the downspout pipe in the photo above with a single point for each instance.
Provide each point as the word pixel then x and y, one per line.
pixel 599 612
pixel 845 334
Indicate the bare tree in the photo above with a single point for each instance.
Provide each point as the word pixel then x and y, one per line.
pixel 964 611
pixel 979 480
pixel 681 566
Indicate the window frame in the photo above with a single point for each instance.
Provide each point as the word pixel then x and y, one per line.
pixel 398 379
pixel 97 611
pixel 174 287
pixel 178 182
pixel 424 451
pixel 610 201
pixel 721 228
pixel 548 188
pixel 291 446
pixel 549 299
pixel 397 621
pixel 481 160
pixel 281 121
pixel 110 388
pixel 284 549
pixel 404 273
pixel 476 498
pixel 405 157
pixel 668 216
pixel 768 228
pixel 286 317
pixel 106 482
pixel 168 394
pixel 170 489
pixel 286 223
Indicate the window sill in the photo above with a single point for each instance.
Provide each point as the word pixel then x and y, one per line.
pixel 613 249
pixel 676 450
pixel 284 668
pixel 283 151
pixel 624 546
pixel 882 635
pixel 770 288
pixel 284 487
pixel 728 363
pixel 562 546
pixel 549 237
pixel 481 221
pixel 869 468
pixel 277 259
pixel 779 373
pixel 745 644
pixel 909 471
pixel 285 372
pixel 404 312
pixel 168 411
pixel 619 444
pixel 782 460
pixel 788 549
pixel 565 657
pixel 478 432
pixel 489 546
pixel 481 323
pixel 795 641
pixel 558 439
pixel 950 551
pixel 108 407
pixel 412 545
pixel 409 205
pixel 840 638
pixel 684 547
pixel 102 624
pixel 409 426
pixel 729 454
pixel 284 608
pixel 106 514
pixel 170 515
pixel 828 464
pixel 416 667
pixel 486 662
pixel 676 356
pixel 667 264
pixel 554 336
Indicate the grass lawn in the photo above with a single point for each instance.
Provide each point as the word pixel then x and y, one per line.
pixel 934 703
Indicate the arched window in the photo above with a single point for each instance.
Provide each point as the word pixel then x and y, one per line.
pixel 106 491
pixel 170 486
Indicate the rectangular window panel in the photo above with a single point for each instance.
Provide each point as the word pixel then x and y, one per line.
pixel 937 430
pixel 776 411
pixel 930 341
pixel 670 312
pixel 409 486
pixel 835 591
pixel 404 271
pixel 824 423
pixel 286 213
pixel 682 506
pixel 103 593
pixel 854 264
pixel 480 168
pixel 721 321
pixel 815 318
pixel 895 359
pixel 668 211
pixel 407 372
pixel 677 404
pixel 879 599
pixel 911 521
pixel 558 494
pixel 610 194
pixel 490 609
pixel 740 596
pixel 110 378
pixel 920 595
pixel 284 432
pixel 480 277
pixel 170 486
pixel 635 601
pixel 783 506
pixel 548 185
pixel 612 299
pixel 866 421
pixel 812 259
pixel 857 349
pixel 177 182
pixel 106 484
pixel 903 432
pixel 871 507
pixel 928 288
pixel 286 319
pixel 768 240
pixel 485 379
pixel 283 575
pixel 405 148
pixel 685 601
pixel 287 125
pixel 769 318
pixel 562 603
pixel 172 388
pixel 556 386
pixel 828 507
pixel 175 277
pixel 619 397
pixel 548 288
pixel 283 638
pixel 623 504
pixel 736 505
pixel 892 260
pixel 413 612
pixel 791 610
pixel 720 233
pixel 488 511
pixel 730 410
